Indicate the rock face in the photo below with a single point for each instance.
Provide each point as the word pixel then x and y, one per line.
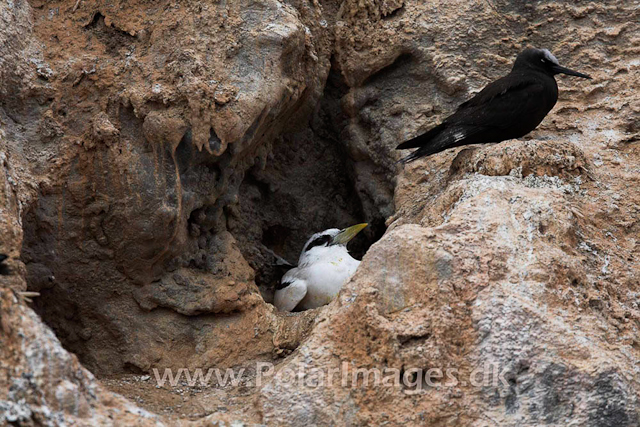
pixel 518 260
pixel 156 157
pixel 161 116
pixel 43 384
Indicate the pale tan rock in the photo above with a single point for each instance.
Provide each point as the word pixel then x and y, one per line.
pixel 155 156
pixel 42 384
pixel 156 97
pixel 103 130
pixel 521 255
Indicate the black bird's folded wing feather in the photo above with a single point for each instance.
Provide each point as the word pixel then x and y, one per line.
pixel 505 104
pixel 498 104
pixel 421 139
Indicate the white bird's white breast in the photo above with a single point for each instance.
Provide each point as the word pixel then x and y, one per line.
pixel 325 270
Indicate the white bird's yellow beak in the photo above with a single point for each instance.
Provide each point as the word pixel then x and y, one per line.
pixel 347 234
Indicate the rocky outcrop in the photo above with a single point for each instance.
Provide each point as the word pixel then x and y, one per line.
pixel 160 110
pixel 514 264
pixel 43 384
pixel 158 157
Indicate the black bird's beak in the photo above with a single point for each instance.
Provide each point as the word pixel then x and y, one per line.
pixel 558 69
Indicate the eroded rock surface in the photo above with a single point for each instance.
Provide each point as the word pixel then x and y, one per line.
pixel 520 256
pixel 156 158
pixel 159 109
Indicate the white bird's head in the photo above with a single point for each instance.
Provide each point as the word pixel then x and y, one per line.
pixel 332 238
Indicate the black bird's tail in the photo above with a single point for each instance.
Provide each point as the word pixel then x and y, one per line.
pixel 413 156
pixel 423 151
pixel 422 139
pixel 434 141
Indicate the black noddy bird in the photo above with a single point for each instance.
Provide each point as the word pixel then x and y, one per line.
pixel 508 108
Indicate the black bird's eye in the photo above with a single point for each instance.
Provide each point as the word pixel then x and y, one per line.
pixel 543 61
pixel 319 241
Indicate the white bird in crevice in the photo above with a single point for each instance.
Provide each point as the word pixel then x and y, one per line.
pixel 324 267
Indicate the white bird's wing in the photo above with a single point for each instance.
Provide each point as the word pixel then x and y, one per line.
pixel 291 291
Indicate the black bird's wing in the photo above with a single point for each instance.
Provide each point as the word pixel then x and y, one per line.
pixel 509 93
pixel 507 108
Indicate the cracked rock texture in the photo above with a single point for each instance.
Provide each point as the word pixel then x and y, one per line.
pixel 157 156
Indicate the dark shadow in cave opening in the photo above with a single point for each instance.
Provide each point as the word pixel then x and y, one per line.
pixel 307 186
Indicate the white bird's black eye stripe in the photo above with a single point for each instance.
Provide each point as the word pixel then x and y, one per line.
pixel 282 285
pixel 319 241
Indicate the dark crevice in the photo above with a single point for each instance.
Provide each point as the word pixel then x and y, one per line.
pixel 109 227
pixel 131 368
pixel 403 60
pixel 307 186
pixel 214 141
pixel 413 339
pixel 4 269
pixel 97 21
pixel 112 37
pixel 394 14
pixel 94 21
pixel 185 154
pixel 275 237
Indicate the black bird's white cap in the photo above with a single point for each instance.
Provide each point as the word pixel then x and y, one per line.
pixel 544 61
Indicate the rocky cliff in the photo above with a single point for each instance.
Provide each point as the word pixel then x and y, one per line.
pixel 157 157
